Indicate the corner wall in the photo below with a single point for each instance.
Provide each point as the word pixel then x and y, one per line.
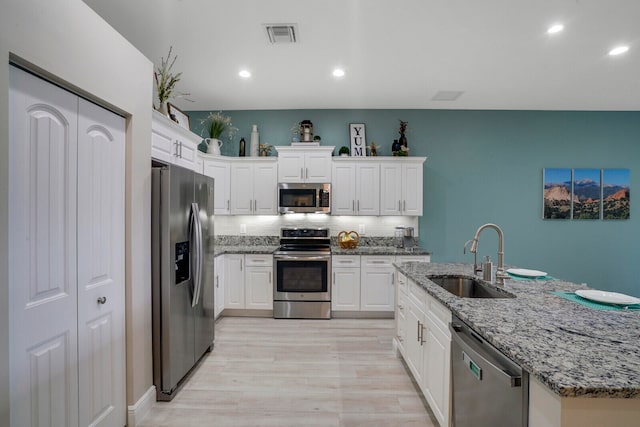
pixel 78 49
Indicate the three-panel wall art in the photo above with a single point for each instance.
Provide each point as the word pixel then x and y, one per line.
pixel 585 193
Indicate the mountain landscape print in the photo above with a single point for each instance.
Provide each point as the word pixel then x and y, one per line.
pixel 557 193
pixel 616 200
pixel 586 191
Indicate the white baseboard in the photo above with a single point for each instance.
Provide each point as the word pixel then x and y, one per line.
pixel 137 411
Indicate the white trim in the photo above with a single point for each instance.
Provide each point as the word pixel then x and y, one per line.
pixel 137 411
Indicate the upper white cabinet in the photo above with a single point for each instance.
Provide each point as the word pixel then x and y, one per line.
pixel 254 186
pixel 220 170
pixel 355 187
pixel 401 186
pixel 311 164
pixel 172 144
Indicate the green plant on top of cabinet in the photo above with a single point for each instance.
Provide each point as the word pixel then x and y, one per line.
pixel 254 187
pixel 312 164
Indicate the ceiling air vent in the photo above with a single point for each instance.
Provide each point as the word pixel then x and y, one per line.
pixel 281 33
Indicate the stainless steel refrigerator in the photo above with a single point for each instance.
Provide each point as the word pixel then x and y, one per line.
pixel 182 274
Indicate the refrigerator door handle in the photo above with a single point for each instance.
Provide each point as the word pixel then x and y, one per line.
pixel 195 244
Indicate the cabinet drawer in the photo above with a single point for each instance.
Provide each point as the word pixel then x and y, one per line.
pixel 259 260
pixel 345 261
pixel 417 294
pixel 439 314
pixel 377 261
pixel 410 258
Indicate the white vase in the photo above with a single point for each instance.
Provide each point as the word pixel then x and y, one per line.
pixel 162 109
pixel 213 146
pixel 255 142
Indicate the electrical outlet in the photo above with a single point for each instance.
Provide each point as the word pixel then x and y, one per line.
pixel 361 229
pixel 243 228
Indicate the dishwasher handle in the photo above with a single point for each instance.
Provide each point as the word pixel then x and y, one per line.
pixel 479 355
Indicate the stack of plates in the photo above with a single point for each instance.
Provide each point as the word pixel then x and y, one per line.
pixel 607 297
pixel 523 272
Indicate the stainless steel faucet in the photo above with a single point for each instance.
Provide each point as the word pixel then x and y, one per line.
pixel 500 274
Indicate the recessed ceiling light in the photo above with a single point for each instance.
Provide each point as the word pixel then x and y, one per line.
pixel 618 50
pixel 555 28
pixel 338 72
pixel 245 74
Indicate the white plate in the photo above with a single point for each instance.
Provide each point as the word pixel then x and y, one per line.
pixel 526 273
pixel 608 297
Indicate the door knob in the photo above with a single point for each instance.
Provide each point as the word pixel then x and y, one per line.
pixel 102 300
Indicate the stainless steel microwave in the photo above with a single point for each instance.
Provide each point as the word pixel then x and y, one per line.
pixel 304 198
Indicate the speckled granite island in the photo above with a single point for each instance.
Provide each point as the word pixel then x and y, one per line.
pixel 573 353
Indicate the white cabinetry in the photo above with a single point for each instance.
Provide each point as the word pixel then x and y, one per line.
pixel 220 170
pixel 258 282
pixel 172 144
pixel 355 187
pixel 345 292
pixel 311 164
pixel 376 285
pixel 254 187
pixel 219 286
pixel 401 187
pixel 424 340
pixel 248 281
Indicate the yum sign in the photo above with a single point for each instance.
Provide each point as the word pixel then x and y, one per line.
pixel 358 140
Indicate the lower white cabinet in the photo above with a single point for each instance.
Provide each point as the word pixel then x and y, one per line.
pixel 219 296
pixel 248 281
pixel 424 341
pixel 377 283
pixel 345 289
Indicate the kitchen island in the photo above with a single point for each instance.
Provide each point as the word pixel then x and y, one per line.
pixel 584 364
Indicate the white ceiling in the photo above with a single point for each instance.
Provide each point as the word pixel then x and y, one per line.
pixel 396 53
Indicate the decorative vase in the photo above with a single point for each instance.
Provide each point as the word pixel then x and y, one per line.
pixel 162 109
pixel 213 146
pixel 403 140
pixel 395 146
pixel 241 152
pixel 255 142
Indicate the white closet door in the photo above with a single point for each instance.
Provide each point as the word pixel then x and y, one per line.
pixel 42 258
pixel 101 329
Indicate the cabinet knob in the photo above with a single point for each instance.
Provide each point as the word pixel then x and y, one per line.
pixel 102 300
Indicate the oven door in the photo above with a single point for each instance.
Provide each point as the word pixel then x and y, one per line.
pixel 302 276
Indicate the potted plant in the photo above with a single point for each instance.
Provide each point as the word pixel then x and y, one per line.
pixel 166 82
pixel 344 151
pixel 216 125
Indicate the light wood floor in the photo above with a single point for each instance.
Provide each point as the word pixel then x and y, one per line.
pixel 302 373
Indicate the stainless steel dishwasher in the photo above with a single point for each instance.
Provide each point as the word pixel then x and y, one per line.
pixel 489 389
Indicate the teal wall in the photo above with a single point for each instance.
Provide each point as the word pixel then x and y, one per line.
pixel 486 166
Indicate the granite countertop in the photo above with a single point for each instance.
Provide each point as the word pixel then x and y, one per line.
pixel 572 349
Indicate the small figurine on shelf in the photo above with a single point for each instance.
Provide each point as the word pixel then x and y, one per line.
pixel 265 150
pixel 373 149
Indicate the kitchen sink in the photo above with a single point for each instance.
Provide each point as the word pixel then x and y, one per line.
pixel 466 287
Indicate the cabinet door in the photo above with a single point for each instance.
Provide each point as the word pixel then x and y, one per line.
pixel 219 284
pixel 413 342
pixel 291 166
pixel 390 189
pixel 220 171
pixel 259 288
pixel 265 188
pixel 242 189
pixel 412 189
pixel 377 284
pixel 343 198
pixel 345 290
pixel 234 281
pixel 186 153
pixel 368 189
pixel 163 146
pixel 401 321
pixel 437 350
pixel 317 167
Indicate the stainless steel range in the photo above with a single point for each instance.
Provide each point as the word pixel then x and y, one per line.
pixel 302 267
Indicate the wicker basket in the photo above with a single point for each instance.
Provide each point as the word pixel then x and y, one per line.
pixel 348 244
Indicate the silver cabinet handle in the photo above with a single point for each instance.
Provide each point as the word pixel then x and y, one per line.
pixel 180 149
pixel 358 205
pixel 404 205
pixel 176 145
pixel 422 340
pixel 241 265
pixel 217 281
pixel 301 174
pixel 400 307
pixel 307 174
pixel 228 204
pixel 255 206
pixel 419 329
pixel 353 205
pixel 102 300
